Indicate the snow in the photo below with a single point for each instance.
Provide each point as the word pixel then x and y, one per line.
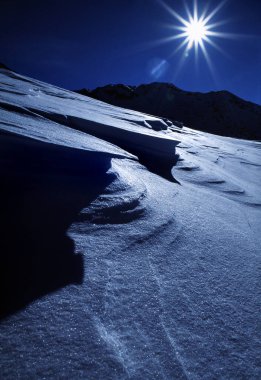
pixel 112 271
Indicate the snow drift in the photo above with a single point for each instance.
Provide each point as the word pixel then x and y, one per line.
pixel 109 270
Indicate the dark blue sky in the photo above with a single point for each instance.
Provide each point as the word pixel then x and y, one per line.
pixel 90 43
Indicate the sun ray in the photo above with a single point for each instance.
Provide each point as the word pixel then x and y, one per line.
pixel 170 38
pixel 209 62
pixel 160 41
pixel 180 64
pixel 202 17
pixel 187 11
pixel 196 54
pixel 195 10
pixel 222 35
pixel 218 23
pixel 175 27
pixel 216 46
pixel 180 46
pixel 214 12
pixel 174 13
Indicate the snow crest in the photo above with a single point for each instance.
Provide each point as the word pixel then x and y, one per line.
pixel 122 201
pixel 136 133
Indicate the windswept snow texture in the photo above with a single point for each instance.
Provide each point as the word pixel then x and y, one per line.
pixel 108 269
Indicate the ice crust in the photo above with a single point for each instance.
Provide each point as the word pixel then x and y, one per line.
pixel 112 271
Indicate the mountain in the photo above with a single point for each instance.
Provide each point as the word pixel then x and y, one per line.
pixel 221 112
pixel 2 66
pixel 129 246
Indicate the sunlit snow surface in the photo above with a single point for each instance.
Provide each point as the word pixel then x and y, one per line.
pixel 170 282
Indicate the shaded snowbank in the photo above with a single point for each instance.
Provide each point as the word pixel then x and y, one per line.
pixel 43 188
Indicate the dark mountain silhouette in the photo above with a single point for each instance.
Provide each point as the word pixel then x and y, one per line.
pixel 2 66
pixel 220 112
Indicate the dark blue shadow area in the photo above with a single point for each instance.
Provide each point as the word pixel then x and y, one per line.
pixel 43 188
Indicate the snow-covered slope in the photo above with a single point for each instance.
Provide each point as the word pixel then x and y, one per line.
pixel 219 112
pixel 110 270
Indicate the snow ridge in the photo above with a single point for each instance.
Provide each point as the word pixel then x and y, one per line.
pixel 136 134
pixel 121 202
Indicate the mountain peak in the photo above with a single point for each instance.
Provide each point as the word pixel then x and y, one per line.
pixel 218 112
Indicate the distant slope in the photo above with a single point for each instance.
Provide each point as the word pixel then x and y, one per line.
pixel 221 112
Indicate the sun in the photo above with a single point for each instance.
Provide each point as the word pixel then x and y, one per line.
pixel 196 29
pixel 195 32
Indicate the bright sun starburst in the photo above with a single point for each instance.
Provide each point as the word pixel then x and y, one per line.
pixel 196 30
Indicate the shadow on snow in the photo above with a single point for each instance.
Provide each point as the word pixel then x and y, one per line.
pixel 43 188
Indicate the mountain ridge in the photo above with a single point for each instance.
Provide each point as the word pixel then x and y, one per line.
pixel 219 112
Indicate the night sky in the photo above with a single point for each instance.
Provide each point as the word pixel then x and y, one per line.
pixel 90 43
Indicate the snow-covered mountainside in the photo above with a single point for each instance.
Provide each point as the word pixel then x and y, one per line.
pixel 130 247
pixel 219 112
